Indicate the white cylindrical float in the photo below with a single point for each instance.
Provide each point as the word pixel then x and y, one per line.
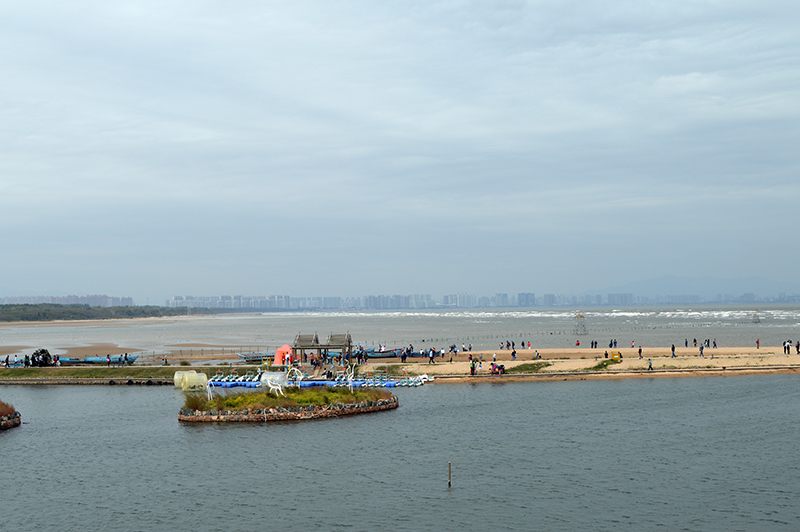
pixel 193 382
pixel 178 378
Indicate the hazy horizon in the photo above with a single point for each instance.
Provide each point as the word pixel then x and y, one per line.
pixel 159 149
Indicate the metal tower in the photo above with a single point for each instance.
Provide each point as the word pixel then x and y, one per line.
pixel 580 325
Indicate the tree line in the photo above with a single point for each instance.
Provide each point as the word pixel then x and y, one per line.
pixel 52 312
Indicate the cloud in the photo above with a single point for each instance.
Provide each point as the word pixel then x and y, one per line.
pixel 453 129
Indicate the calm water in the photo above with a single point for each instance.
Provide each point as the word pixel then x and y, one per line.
pixel 661 454
pixel 544 328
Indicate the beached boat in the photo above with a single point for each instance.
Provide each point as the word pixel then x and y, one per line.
pixel 115 360
pixel 383 353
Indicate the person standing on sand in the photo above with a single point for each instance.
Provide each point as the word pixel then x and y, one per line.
pixel 701 351
pixel 108 360
pixel 640 352
pixel 758 343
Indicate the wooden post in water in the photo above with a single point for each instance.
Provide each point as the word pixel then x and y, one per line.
pixel 448 474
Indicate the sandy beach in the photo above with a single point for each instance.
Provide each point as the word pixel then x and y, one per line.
pixel 574 365
pixel 562 363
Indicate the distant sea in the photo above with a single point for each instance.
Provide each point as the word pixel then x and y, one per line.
pixel 483 328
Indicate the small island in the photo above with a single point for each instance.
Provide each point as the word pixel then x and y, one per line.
pixel 297 404
pixel 9 417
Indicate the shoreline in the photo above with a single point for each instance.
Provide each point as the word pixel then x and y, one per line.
pixel 738 362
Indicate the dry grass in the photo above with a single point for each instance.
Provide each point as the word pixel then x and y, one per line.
pixel 6 409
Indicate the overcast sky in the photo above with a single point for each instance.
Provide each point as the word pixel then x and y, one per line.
pixel 151 149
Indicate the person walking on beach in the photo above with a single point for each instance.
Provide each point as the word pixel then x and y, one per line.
pixel 701 351
pixel 758 343
pixel 108 360
pixel 649 365
pixel 673 350
pixel 640 352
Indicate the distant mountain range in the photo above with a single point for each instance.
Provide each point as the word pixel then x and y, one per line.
pixel 705 287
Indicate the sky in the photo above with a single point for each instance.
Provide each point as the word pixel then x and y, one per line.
pixel 152 149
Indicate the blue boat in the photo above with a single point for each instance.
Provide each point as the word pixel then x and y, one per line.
pixel 115 360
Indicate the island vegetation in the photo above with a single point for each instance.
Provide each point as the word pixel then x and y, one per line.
pixel 295 397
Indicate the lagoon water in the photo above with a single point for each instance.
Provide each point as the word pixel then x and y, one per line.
pixel 644 454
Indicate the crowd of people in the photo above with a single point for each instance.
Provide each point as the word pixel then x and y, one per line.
pixel 39 359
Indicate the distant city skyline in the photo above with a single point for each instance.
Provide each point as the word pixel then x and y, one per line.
pixel 394 302
pixel 426 301
pixel 751 290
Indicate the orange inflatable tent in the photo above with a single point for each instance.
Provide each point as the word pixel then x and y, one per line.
pixel 283 354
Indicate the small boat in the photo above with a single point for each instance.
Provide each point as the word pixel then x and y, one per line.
pixel 115 360
pixel 255 358
pixel 383 353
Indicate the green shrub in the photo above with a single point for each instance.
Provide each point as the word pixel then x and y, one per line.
pixel 529 367
pixel 603 365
